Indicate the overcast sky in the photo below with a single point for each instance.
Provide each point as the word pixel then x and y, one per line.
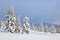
pixel 46 10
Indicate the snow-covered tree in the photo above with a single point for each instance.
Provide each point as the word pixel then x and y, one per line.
pixel 53 29
pixel 33 27
pixel 18 25
pixel 41 27
pixel 26 25
pixel 46 28
pixel 11 21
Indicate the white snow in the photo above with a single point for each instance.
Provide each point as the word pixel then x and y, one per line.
pixel 34 35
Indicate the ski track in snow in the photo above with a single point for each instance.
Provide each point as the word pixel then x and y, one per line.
pixel 34 35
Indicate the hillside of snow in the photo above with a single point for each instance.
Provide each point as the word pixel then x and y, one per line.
pixel 34 35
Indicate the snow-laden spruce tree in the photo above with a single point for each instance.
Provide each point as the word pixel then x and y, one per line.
pixel 10 25
pixel 46 28
pixel 41 27
pixel 11 21
pixel 53 29
pixel 26 25
pixel 17 29
pixel 33 27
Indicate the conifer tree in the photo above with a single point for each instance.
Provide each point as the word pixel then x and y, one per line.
pixel 41 27
pixel 26 25
pixel 46 28
pixel 53 29
pixel 18 25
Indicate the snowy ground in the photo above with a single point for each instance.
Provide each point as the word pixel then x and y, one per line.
pixel 34 35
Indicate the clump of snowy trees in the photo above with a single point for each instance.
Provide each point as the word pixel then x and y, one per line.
pixel 13 25
pixel 45 28
pixel 33 27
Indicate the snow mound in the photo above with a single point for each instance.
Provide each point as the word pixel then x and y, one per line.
pixel 34 35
